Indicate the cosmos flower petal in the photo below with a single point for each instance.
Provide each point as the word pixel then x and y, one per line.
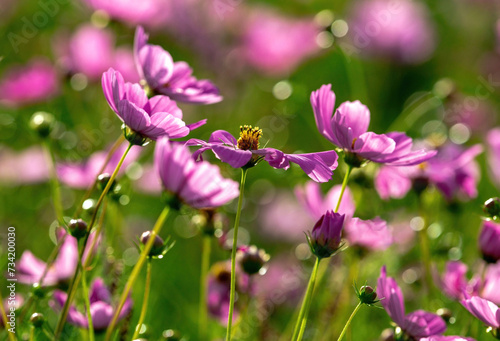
pixel 373 147
pixel 222 136
pixel 391 297
pixel 235 157
pixel 157 65
pixel 323 102
pixel 354 115
pixel 318 166
pixel 484 310
pixel 165 124
pixel 421 323
pixel 135 118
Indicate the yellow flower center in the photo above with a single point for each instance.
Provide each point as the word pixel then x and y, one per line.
pixel 249 138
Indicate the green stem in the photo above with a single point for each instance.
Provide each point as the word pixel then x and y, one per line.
pixel 344 185
pixel 349 321
pixel 137 269
pixel 92 187
pixel 144 308
pixel 12 336
pixel 425 250
pixel 86 299
pixel 76 276
pixel 300 326
pixel 56 190
pixel 205 264
pixel 233 254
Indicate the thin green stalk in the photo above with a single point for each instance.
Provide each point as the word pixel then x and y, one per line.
pixel 89 191
pixel 344 185
pixel 76 276
pixel 349 321
pixel 12 336
pixel 233 254
pixel 55 186
pixel 86 299
pixel 300 326
pixel 425 250
pixel 137 269
pixel 144 308
pixel 205 264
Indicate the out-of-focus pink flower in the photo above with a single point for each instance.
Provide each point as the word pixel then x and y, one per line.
pixel 30 269
pixel 91 51
pixel 101 307
pixel 453 171
pixel 198 184
pixel 455 285
pixel 8 304
pixel 493 143
pixel 397 29
pixel 417 324
pixel 152 13
pixel 35 82
pixel 276 44
pixel 489 241
pixel 149 182
pixel 368 234
pixel 219 288
pixel 484 310
pixel 27 167
pixel 83 174
pixel 447 338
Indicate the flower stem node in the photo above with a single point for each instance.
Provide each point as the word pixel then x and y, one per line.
pixel 171 200
pixel 160 247
pixel 42 123
pixel 134 137
pixel 77 228
pixel 251 259
pixel 492 208
pixel 325 238
pixel 37 320
pixel 354 160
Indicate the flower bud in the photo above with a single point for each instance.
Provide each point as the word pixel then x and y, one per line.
pixel 171 335
pixel 158 244
pixel 102 182
pixel 38 290
pixel 367 295
pixel 134 137
pixel 324 240
pixel 492 207
pixel 251 259
pixel 77 228
pixel 42 123
pixel 37 320
pixel 489 241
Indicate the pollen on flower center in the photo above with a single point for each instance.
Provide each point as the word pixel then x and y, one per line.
pixel 249 138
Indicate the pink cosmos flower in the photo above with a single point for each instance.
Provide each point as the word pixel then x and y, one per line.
pixel 91 51
pixel 395 29
pixel 446 338
pixel 101 307
pixel 245 152
pixel 83 174
pixel 325 236
pixel 453 171
pixel 276 44
pixel 417 324
pixel 151 118
pixel 34 82
pixel 371 234
pixel 163 76
pixel 25 167
pixel 489 241
pixel 347 129
pixel 493 143
pixel 30 269
pixel 454 283
pixel 198 184
pixel 152 13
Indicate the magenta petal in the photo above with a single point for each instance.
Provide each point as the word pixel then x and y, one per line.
pixel 135 118
pixel 99 291
pixel 169 163
pixel 101 314
pixel 403 155
pixel 67 260
pixel 447 338
pixel 391 297
pixel 318 166
pixel 370 234
pixel 140 40
pixel 276 158
pixel 484 310
pixel 355 115
pixel 235 157
pixel 164 104
pixel 421 323
pixel 323 102
pixel 392 182
pixel 193 126
pixel 134 93
pixel 222 136
pixel 310 197
pixel 373 147
pixel 112 86
pixel 157 65
pixel 165 124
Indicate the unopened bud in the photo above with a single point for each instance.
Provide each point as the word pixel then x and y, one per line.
pixel 492 207
pixel 367 295
pixel 42 123
pixel 102 182
pixel 251 259
pixel 37 320
pixel 77 228
pixel 158 244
